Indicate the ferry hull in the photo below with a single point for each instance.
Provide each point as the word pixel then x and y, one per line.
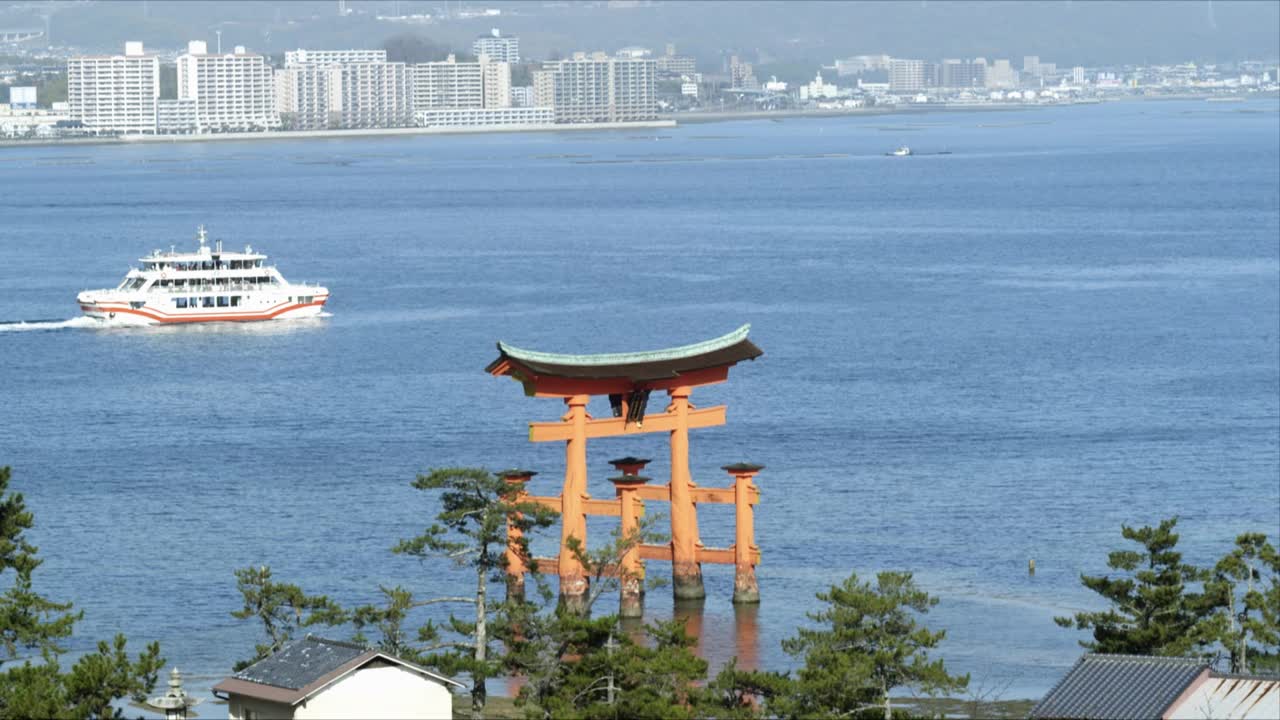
pixel 124 315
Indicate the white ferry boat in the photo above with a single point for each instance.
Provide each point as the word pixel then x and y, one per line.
pixel 208 285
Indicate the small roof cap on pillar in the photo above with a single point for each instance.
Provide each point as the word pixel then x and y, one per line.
pixel 629 479
pixel 628 460
pixel 515 474
pixel 742 468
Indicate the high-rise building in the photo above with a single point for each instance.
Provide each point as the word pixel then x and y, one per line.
pixel 233 91
pixel 1077 75
pixel 544 88
pixel 741 74
pixel 300 57
pixel 498 47
pixel 1001 74
pixel 1031 64
pixel 909 75
pixel 861 63
pixel 673 64
pixel 114 93
pixel 598 88
pixel 447 84
pixel 496 78
pixel 177 117
pixel 370 95
pixel 302 97
pixel 962 74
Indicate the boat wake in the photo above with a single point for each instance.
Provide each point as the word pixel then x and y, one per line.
pixel 79 323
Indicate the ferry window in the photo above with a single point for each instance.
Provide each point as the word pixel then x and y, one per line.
pixel 193 302
pixel 223 301
pixel 180 302
pixel 235 301
pixel 207 301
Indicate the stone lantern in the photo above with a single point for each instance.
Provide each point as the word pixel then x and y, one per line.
pixel 175 703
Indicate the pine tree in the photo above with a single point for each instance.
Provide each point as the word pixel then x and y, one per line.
pixel 1152 612
pixel 282 608
pixel 1245 589
pixel 868 646
pixel 471 530
pixel 31 622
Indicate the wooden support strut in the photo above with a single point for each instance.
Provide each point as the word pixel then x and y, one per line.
pixel 573 519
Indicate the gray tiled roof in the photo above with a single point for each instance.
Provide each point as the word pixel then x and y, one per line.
pixel 301 662
pixel 1119 687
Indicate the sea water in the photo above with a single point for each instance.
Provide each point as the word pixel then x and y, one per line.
pixel 972 360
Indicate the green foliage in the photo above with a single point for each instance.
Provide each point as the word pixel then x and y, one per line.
pixel 1244 587
pixel 1151 613
pixel 28 621
pixel 282 608
pixel 869 645
pixel 471 530
pixel 597 670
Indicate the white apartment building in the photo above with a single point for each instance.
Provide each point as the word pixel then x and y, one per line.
pixel 497 47
pixel 370 95
pixel 453 84
pixel 477 117
pixel 598 89
pixel 302 97
pixel 906 75
pixel 523 96
pixel 233 91
pixel 447 84
pixel 1001 75
pixel 1077 75
pixel 175 117
pixel 114 93
pixel 300 57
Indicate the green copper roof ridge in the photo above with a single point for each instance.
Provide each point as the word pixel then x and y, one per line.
pixel 674 353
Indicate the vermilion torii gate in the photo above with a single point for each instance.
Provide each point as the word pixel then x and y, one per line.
pixel 628 379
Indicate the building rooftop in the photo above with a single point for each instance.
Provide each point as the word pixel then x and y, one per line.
pixel 305 667
pixel 1119 687
pixel 301 662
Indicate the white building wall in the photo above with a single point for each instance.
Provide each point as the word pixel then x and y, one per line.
pixel 114 93
pixel 233 91
pixel 499 48
pixel 1230 698
pixel 448 84
pixel 300 57
pixel 485 117
pixel 377 690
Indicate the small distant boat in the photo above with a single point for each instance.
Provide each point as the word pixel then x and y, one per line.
pixel 901 152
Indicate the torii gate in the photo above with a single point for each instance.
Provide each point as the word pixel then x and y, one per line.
pixel 628 379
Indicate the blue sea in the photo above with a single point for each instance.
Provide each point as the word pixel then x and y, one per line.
pixel 971 360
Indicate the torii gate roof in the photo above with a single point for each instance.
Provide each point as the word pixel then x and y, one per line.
pixel 634 367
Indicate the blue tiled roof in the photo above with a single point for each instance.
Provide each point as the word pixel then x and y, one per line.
pixel 301 662
pixel 1119 687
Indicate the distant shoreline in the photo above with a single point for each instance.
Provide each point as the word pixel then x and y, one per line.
pixel 332 134
pixel 689 118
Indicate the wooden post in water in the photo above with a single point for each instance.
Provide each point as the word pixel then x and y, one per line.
pixel 516 567
pixel 745 588
pixel 686 571
pixel 631 567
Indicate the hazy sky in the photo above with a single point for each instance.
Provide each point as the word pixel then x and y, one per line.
pixel 1068 32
